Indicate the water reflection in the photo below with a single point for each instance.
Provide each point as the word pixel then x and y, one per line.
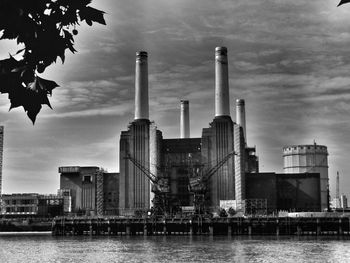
pixel 39 248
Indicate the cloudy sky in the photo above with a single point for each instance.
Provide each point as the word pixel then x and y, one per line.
pixel 290 61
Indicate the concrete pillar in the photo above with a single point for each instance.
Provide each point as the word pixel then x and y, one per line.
pixel 63 227
pixel 128 230
pixel 90 230
pixel 184 119
pixel 229 230
pixel 240 116
pixel 164 228
pixel 250 230
pixel 141 86
pixel 340 230
pixel 211 230
pixel 318 229
pixel 222 98
pixel 145 232
pixel 109 229
pixel 239 230
pixel 299 230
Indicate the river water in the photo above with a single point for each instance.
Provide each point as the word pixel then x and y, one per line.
pixel 45 248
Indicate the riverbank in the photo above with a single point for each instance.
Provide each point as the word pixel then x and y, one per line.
pixel 25 225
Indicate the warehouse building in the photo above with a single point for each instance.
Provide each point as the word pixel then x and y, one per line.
pixel 31 204
pixel 273 192
pixel 89 190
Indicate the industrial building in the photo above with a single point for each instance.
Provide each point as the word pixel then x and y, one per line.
pixel 173 158
pixel 88 190
pixel 237 180
pixel 204 173
pixel 283 192
pixel 31 204
pixel 309 159
pixel 1 154
pixel 340 202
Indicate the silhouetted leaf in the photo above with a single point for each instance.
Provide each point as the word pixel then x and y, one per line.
pixel 343 2
pixel 46 29
pixel 90 14
pixel 44 85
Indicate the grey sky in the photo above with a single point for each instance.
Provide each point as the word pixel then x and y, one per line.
pixel 288 59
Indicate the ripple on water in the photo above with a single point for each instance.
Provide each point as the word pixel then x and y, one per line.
pixel 45 248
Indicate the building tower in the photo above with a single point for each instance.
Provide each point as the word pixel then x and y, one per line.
pixel 184 119
pixel 240 143
pixel 1 155
pixel 343 201
pixel 217 140
pixel 308 159
pixel 240 117
pixel 337 195
pixel 134 186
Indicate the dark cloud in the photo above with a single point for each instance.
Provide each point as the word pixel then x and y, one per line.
pixel 288 59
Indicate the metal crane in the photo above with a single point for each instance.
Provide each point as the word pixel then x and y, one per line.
pixel 198 181
pixel 160 185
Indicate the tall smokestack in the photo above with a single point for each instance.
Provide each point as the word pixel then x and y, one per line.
pixel 222 99
pixel 337 195
pixel 184 120
pixel 240 116
pixel 141 86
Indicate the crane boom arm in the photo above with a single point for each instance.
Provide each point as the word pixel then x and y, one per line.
pixel 198 182
pixel 143 169
pixel 216 167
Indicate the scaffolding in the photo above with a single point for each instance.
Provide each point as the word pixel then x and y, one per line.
pixel 255 207
pixel 99 192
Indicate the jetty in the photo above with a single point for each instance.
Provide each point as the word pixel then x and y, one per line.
pixel 230 226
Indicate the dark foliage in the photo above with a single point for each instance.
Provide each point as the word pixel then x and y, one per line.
pixel 222 213
pixel 46 29
pixel 231 211
pixel 343 2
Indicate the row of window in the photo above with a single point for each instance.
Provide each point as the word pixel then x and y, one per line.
pixel 29 209
pixel 20 202
pixel 305 147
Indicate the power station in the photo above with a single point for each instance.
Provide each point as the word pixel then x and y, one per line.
pixel 210 171
pixel 176 159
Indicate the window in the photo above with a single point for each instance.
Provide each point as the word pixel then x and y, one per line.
pixel 87 179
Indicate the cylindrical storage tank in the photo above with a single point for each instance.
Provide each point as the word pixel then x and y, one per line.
pixel 308 159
